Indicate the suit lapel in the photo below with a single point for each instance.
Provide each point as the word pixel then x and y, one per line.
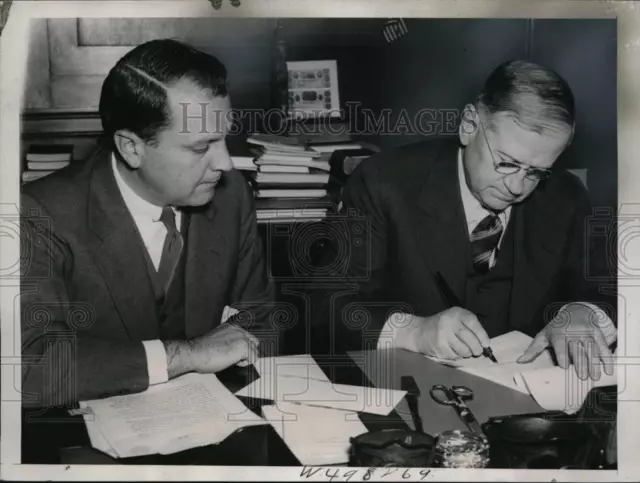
pixel 118 252
pixel 540 233
pixel 204 282
pixel 440 233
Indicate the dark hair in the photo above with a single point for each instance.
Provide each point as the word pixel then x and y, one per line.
pixel 134 94
pixel 536 96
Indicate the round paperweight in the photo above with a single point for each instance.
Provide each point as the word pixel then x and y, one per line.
pixel 461 449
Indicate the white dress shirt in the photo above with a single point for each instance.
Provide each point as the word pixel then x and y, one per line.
pixel 475 213
pixel 153 232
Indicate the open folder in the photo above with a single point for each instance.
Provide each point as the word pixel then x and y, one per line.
pixel 552 387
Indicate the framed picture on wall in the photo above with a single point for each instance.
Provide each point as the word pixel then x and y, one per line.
pixel 313 90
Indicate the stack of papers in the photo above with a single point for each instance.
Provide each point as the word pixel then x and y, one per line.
pixel 553 388
pixel 298 379
pixel 315 435
pixel 189 411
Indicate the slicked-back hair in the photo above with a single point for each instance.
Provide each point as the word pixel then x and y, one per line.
pixel 134 93
pixel 537 97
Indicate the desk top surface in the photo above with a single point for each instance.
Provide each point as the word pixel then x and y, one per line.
pixel 385 369
pixel 377 368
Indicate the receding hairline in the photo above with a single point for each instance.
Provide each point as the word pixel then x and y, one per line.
pixel 527 118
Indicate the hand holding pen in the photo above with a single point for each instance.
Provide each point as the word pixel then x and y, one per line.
pixel 453 301
pixel 452 334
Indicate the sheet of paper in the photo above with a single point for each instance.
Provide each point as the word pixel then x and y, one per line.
pixel 507 348
pixel 94 431
pixel 315 435
pixel 290 366
pixel 558 389
pixel 315 392
pixel 190 411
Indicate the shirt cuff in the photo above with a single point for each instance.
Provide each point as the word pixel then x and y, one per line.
pixel 156 361
pixel 602 320
pixel 389 333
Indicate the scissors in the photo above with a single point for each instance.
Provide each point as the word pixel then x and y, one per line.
pixel 456 396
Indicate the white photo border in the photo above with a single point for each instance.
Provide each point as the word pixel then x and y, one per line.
pixel 13 55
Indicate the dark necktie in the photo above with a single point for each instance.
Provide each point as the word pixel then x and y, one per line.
pixel 484 240
pixel 171 249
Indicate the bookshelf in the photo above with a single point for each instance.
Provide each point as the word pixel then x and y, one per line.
pixel 81 130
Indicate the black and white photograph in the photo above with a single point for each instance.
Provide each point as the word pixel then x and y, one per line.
pixel 305 243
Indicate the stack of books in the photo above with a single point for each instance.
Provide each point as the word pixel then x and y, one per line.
pixel 44 159
pixel 291 179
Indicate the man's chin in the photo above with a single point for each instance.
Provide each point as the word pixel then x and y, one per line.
pixel 202 196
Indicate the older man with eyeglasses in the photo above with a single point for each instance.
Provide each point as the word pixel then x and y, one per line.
pixel 471 238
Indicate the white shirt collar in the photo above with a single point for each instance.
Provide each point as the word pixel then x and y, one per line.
pixel 140 208
pixel 473 210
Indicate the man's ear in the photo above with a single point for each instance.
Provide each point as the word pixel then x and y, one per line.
pixel 468 124
pixel 130 146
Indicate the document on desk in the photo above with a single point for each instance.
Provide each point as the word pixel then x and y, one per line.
pixel 189 411
pixel 506 348
pixel 295 383
pixel 315 435
pixel 303 366
pixel 553 388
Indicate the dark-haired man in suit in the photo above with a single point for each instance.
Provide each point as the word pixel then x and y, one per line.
pixel 488 214
pixel 149 243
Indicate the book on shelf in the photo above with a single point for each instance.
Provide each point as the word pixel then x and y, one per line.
pixel 244 163
pixel 46 165
pixel 324 203
pixel 294 213
pixel 330 148
pixel 324 165
pixel 34 175
pixel 291 193
pixel 291 178
pixel 280 168
pixel 50 152
pixel 44 159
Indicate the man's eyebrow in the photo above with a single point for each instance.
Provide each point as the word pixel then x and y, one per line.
pixel 201 141
pixel 502 153
pixel 520 162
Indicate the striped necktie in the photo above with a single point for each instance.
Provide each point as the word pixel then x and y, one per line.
pixel 484 240
pixel 171 249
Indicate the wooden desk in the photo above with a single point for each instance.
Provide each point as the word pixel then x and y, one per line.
pixel 385 369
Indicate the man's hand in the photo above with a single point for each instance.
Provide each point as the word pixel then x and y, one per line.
pixel 575 336
pixel 451 334
pixel 214 351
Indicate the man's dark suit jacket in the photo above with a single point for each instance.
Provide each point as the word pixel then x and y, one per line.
pixel 410 204
pixel 87 301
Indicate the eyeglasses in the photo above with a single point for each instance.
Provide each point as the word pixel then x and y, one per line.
pixel 510 167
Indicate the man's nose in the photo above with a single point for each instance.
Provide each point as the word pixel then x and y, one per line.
pixel 221 160
pixel 516 183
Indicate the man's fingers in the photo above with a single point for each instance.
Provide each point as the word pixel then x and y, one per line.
pixel 251 353
pixel 559 345
pixel 537 345
pixel 593 358
pixel 604 354
pixel 443 348
pixel 471 341
pixel 472 323
pixel 459 347
pixel 578 355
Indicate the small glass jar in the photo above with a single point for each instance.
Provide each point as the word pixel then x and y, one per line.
pixel 461 449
